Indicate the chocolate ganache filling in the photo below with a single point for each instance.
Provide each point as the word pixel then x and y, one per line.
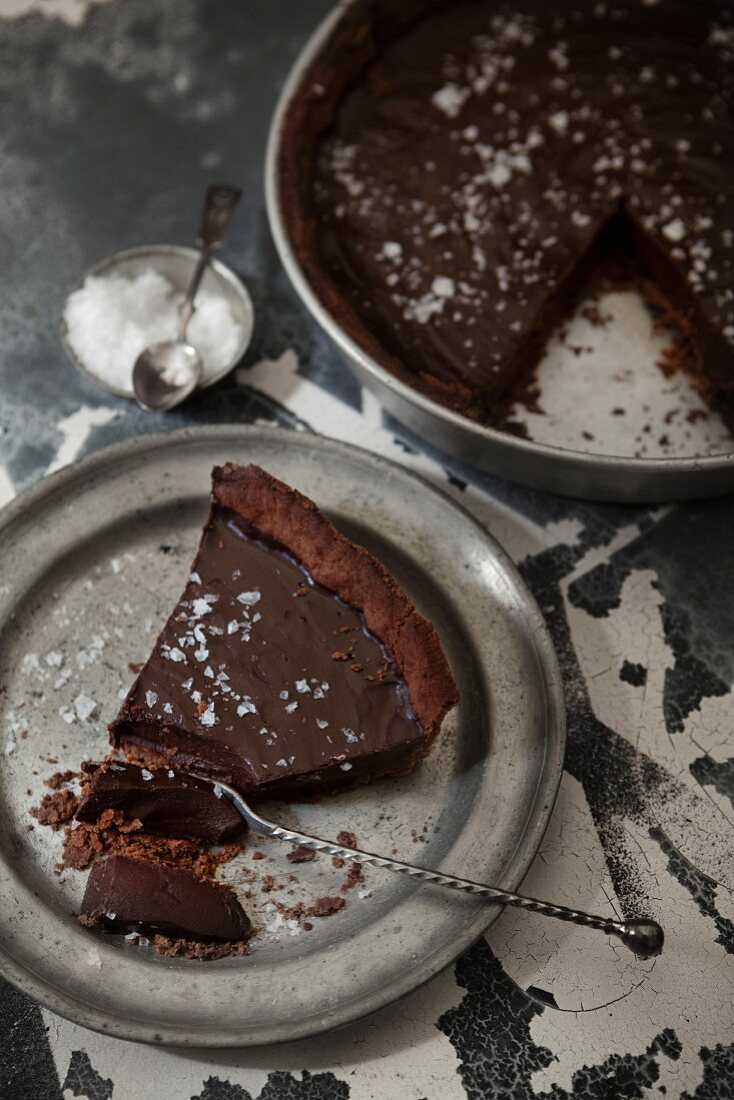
pixel 131 895
pixel 262 675
pixel 164 802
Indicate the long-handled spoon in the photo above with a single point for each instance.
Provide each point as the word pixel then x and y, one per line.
pixel 642 935
pixel 166 373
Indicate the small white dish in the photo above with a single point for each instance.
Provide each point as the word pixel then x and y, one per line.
pixel 176 264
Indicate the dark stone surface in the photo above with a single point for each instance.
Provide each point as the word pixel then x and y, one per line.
pixel 26 1065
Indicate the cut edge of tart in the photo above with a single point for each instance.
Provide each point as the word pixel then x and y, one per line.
pixel 289 523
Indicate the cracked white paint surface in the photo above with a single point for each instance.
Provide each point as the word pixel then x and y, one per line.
pixel 75 431
pixel 607 1001
pixel 71 11
pixel 7 489
pixel 661 416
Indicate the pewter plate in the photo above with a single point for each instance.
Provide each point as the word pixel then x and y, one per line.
pixel 91 561
pixel 551 461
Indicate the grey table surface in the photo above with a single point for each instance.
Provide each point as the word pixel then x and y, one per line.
pixel 115 116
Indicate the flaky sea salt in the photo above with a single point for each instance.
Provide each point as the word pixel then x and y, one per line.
pixel 675 230
pixel 201 606
pixel 111 319
pixel 173 653
pixel 209 718
pixel 450 99
pixel 84 707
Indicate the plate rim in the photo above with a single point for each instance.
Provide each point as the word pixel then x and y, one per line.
pixel 65 1003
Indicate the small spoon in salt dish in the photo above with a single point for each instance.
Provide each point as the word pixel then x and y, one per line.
pixel 167 372
pixel 642 935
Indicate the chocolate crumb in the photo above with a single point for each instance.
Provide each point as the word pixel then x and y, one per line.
pixel 291 912
pixel 299 854
pixel 81 847
pixel 194 949
pixel 354 875
pixel 58 779
pixel 56 809
pixel 323 907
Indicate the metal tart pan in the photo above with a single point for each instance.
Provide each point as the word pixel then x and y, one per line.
pixel 539 465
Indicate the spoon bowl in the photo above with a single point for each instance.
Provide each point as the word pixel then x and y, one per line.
pixel 165 374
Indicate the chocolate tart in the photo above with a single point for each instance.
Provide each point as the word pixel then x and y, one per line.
pixel 454 176
pixel 293 661
pixel 131 895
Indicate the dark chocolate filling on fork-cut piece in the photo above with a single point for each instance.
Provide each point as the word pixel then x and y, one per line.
pixel 293 660
pixel 165 802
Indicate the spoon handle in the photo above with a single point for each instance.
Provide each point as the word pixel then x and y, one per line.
pixel 642 935
pixel 219 204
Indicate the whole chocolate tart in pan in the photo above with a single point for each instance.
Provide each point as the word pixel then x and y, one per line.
pixel 455 175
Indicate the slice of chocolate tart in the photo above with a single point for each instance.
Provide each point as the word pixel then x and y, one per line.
pixel 293 661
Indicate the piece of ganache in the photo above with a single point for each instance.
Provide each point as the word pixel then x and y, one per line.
pixel 129 895
pixel 167 803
